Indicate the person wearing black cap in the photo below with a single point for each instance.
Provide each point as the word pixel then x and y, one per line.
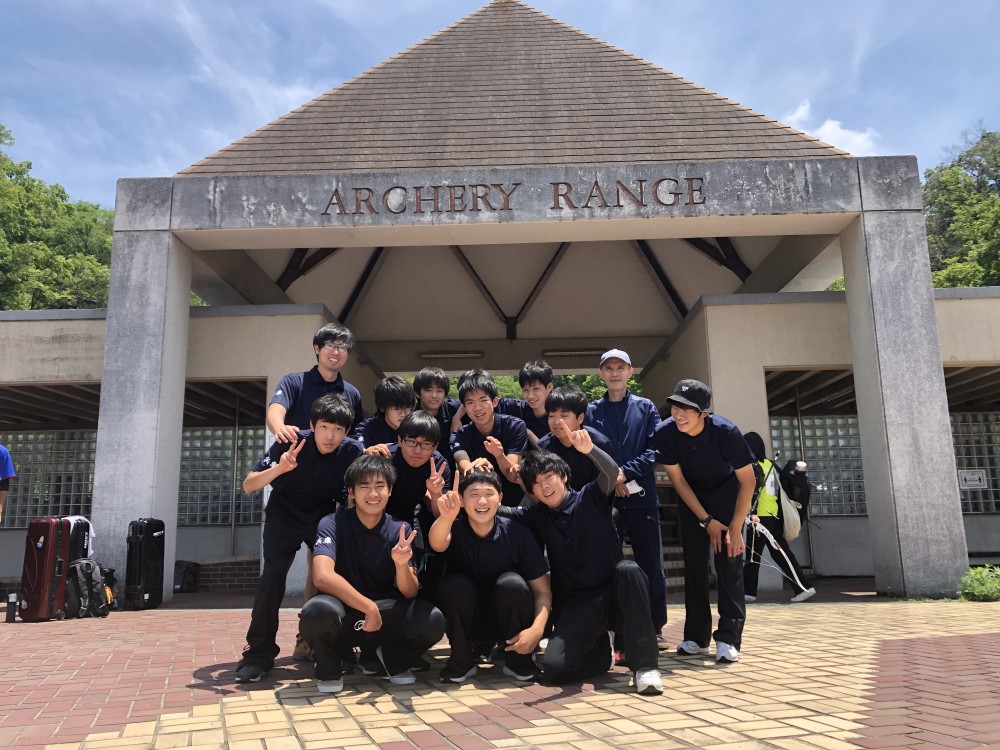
pixel 711 468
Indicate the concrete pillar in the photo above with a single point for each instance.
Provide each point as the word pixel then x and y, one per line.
pixel 137 468
pixel 911 485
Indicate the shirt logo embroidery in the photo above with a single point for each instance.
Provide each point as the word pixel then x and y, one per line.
pixel 324 540
pixel 277 392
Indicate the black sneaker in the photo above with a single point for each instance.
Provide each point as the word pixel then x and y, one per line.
pixel 456 675
pixel 249 671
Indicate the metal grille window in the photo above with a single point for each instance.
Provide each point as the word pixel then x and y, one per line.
pixel 55 475
pixel 832 448
pixel 977 449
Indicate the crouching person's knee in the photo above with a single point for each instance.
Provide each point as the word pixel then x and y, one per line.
pixel 321 618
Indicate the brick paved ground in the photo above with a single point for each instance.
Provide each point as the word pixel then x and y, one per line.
pixel 825 675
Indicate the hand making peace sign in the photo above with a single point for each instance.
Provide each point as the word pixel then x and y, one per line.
pixel 403 550
pixel 579 438
pixel 435 482
pixel 450 503
pixel 290 458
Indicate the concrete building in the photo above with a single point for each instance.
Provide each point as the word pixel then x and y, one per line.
pixel 513 189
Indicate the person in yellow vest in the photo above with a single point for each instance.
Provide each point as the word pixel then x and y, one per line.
pixel 767 512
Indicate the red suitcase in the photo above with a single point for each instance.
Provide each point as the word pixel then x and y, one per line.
pixel 43 577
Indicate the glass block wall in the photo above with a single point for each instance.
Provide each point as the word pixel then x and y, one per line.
pixel 832 448
pixel 55 475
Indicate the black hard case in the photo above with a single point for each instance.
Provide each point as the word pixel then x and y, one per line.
pixel 43 576
pixel 144 564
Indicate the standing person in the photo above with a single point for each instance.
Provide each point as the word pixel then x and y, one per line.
pixel 432 386
pixel 290 406
pixel 594 589
pixel 368 586
pixel 567 410
pixel 629 422
pixel 6 474
pixel 394 400
pixel 768 513
pixel 711 468
pixel 307 482
pixel 536 380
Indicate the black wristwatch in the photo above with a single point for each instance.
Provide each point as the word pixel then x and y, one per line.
pixel 705 521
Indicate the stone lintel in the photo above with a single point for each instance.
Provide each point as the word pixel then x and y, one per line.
pixel 143 204
pixel 890 183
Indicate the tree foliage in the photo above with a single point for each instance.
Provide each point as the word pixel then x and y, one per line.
pixel 54 254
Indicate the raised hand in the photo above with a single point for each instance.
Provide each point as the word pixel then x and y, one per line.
pixel 450 503
pixel 403 550
pixel 579 438
pixel 435 482
pixel 290 458
pixel 493 446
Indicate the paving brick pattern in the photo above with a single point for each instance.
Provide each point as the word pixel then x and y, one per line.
pixel 874 674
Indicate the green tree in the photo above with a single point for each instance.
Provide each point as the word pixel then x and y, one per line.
pixel 53 253
pixel 593 386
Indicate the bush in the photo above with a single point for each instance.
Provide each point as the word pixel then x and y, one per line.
pixel 981 584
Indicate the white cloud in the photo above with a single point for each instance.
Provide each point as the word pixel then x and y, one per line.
pixel 855 142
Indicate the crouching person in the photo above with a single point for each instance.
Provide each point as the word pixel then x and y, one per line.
pixel 594 588
pixel 363 568
pixel 500 584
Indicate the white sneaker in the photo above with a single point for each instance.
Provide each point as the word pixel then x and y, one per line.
pixel 648 682
pixel 690 648
pixel 725 653
pixel 749 598
pixel 403 678
pixel 330 686
pixel 802 596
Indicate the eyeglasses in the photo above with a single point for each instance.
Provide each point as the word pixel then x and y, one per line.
pixel 411 443
pixel 336 346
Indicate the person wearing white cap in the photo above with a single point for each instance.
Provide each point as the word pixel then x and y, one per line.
pixel 711 468
pixel 629 422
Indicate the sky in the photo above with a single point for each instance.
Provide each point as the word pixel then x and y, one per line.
pixel 94 91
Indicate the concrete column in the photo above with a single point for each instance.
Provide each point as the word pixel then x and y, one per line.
pixel 137 468
pixel 911 484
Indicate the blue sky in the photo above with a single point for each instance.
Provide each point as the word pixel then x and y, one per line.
pixel 140 88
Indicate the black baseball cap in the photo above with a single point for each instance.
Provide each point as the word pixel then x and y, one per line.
pixel 691 393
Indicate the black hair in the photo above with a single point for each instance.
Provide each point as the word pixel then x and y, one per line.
pixel 429 377
pixel 394 391
pixel 567 398
pixel 333 332
pixel 477 380
pixel 367 467
pixel 537 462
pixel 479 476
pixel 756 444
pixel 420 424
pixel 332 408
pixel 535 372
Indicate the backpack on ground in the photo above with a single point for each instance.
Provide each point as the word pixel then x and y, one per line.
pixel 86 595
pixel 186 576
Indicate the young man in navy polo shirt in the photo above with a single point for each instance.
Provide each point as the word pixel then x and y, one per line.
pixel 422 475
pixel 490 439
pixel 432 386
pixel 499 587
pixel 307 481
pixel 363 567
pixel 288 411
pixel 594 588
pixel 629 421
pixel 536 380
pixel 567 410
pixel 711 468
pixel 394 399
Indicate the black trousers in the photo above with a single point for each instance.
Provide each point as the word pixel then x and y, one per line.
pixel 643 525
pixel 478 616
pixel 409 628
pixel 579 646
pixel 757 545
pixel 729 582
pixel 283 537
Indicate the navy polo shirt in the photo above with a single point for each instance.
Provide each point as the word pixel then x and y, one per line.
pixel 508 547
pixel 580 540
pixel 297 391
pixel 316 485
pixel 361 555
pixel 513 436
pixel 411 487
pixel 582 470
pixel 709 461
pixel 374 430
pixel 515 407
pixel 446 412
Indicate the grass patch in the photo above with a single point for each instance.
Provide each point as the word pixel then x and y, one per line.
pixel 981 584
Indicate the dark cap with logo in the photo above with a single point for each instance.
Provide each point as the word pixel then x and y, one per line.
pixel 693 394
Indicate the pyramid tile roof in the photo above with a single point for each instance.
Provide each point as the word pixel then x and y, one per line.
pixel 509 86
